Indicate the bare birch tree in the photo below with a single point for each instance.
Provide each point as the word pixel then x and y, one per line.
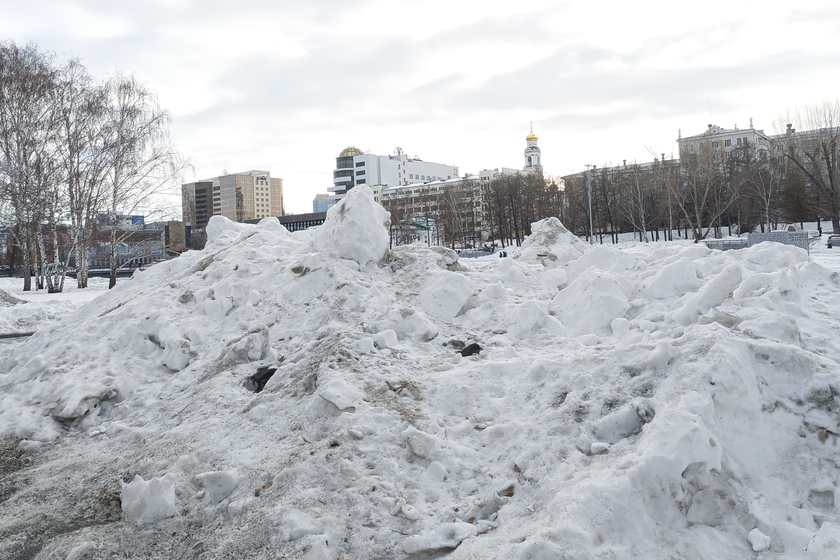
pixel 142 163
pixel 27 141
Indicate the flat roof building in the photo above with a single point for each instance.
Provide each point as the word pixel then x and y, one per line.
pixel 241 196
pixel 354 167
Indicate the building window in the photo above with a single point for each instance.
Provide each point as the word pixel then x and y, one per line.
pixel 739 141
pixel 360 164
pixel 727 142
pixel 358 173
pixel 361 181
pixel 715 143
pixel 411 175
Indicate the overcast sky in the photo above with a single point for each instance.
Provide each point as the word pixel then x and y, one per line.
pixel 286 85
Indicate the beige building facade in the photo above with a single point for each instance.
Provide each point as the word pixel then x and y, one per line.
pixel 248 195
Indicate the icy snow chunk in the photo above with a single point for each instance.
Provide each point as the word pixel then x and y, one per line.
pixel 411 324
pixel 661 355
pixel 792 537
pixel 620 327
pixel 436 471
pixel 449 535
pixel 550 244
pixel 676 439
pixel 555 277
pixel 618 425
pixel 219 484
pixel 356 228
pixel 773 326
pixel 386 339
pixel 590 303
pixel 826 544
pixel 297 525
pixel 758 540
pixel 770 257
pixel 36 364
pixel 343 395
pixel 147 501
pixel 711 295
pixel 600 257
pixel 673 280
pixel 222 229
pixel 444 294
pixel 363 345
pixel 599 448
pixel 177 354
pixel 421 444
pixel 531 315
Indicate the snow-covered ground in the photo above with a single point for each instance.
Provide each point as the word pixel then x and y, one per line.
pixel 36 309
pixel 633 401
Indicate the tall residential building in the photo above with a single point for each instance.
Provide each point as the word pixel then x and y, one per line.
pixel 241 196
pixel 354 167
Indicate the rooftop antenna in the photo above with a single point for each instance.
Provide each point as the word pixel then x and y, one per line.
pixel 710 110
pixel 751 124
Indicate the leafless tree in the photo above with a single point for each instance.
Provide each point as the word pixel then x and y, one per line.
pixel 702 193
pixel 83 148
pixel 142 163
pixel 27 144
pixel 816 153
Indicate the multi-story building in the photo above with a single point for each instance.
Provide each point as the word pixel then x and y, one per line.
pixel 354 167
pixel 241 196
pixel 321 203
pixel 725 140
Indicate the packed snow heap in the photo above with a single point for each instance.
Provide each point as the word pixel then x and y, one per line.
pixel 304 395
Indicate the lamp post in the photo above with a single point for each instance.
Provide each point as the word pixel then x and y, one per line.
pixel 589 193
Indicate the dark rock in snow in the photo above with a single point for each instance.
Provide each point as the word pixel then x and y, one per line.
pixel 256 382
pixel 471 349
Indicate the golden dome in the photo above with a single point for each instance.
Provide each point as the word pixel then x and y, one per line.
pixel 351 151
pixel 531 135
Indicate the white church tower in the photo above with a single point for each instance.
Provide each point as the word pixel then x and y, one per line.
pixel 532 152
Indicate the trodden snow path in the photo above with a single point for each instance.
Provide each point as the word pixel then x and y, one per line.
pixel 662 401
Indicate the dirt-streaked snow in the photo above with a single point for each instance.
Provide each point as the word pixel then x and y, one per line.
pixel 646 401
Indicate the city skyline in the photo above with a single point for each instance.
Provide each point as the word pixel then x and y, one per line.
pixel 287 87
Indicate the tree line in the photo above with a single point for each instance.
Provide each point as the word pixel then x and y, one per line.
pixel 470 212
pixel 795 177
pixel 75 153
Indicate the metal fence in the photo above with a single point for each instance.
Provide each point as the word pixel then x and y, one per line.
pixel 795 238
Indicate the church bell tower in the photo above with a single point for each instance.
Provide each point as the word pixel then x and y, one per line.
pixel 532 152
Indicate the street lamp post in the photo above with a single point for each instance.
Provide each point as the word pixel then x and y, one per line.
pixel 589 192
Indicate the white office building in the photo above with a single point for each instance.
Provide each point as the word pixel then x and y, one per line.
pixel 354 167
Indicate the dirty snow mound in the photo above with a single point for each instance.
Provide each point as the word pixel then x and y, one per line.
pixel 356 228
pixel 550 244
pixel 318 395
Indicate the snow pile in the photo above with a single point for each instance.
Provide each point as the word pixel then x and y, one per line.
pixel 356 228
pixel 296 396
pixel 550 244
pixel 7 299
